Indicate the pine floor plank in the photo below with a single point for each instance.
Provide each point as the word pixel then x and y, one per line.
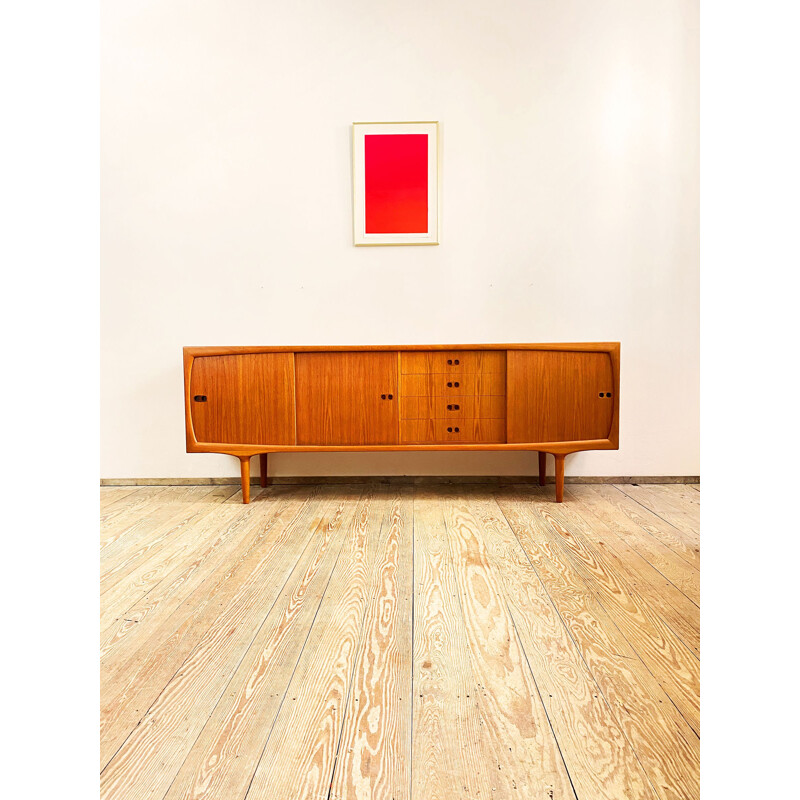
pixel 135 576
pixel 299 755
pixel 147 762
pixel 627 539
pixel 374 751
pixel 223 761
pixel 529 763
pixel 450 758
pixel 112 494
pixel 668 505
pixel 641 528
pixel 665 599
pixel 601 761
pixel 234 526
pixel 150 530
pixel 400 643
pixel 118 518
pixel 133 681
pixel 671 661
pixel 665 743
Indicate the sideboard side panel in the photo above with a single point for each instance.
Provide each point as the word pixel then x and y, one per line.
pixel 249 399
pixel 559 396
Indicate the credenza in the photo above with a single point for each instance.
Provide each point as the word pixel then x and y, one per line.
pixel 547 398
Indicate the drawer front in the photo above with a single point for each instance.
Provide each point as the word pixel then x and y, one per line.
pixel 442 385
pixel 453 407
pixel 455 431
pixel 421 362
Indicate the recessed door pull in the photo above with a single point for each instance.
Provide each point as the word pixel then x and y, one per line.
pixel 200 398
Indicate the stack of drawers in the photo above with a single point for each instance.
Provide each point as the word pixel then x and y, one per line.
pixel 450 397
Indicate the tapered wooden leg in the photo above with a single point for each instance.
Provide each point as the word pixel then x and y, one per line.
pixel 245 461
pixel 262 458
pixel 542 468
pixel 560 477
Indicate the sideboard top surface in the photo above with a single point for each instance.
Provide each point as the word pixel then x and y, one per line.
pixel 608 347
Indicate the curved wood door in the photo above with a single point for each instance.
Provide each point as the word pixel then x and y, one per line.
pixel 559 396
pixel 347 398
pixel 243 399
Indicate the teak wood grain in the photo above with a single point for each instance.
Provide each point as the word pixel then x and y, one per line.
pixel 347 398
pixel 452 362
pixel 440 384
pixel 559 396
pixel 449 407
pixel 452 430
pixel 250 398
pixel 550 398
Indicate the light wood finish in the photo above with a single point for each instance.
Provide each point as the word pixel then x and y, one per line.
pixel 452 430
pixel 601 761
pixel 556 399
pixel 397 642
pixel 347 398
pixel 453 407
pixel 249 398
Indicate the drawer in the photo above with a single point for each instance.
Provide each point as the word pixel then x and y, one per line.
pixel 443 431
pixel 453 407
pixel 420 362
pixel 441 385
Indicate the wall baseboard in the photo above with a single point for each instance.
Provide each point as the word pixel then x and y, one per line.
pixel 403 480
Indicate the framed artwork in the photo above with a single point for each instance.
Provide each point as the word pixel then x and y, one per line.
pixel 395 183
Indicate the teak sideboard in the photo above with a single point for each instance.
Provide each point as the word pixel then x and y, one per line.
pixel 550 398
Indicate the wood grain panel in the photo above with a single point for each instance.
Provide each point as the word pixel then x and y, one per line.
pixel 250 399
pixel 669 659
pixel 223 761
pixel 559 396
pixel 374 754
pixel 132 681
pixel 422 431
pixel 343 398
pixel 450 362
pixel 449 407
pixel 451 758
pixel 529 763
pixel 667 747
pixel 301 751
pixel 439 384
pixel 601 761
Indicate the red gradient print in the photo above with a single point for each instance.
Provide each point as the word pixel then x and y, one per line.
pixel 396 182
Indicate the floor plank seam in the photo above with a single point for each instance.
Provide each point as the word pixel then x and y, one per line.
pixel 625 638
pixel 577 565
pixel 294 669
pixel 588 524
pixel 577 650
pixel 592 696
pixel 541 700
pixel 357 650
pixel 651 510
pixel 180 667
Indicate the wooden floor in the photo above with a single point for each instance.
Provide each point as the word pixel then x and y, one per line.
pixel 393 642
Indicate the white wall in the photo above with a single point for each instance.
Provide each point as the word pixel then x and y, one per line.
pixel 570 203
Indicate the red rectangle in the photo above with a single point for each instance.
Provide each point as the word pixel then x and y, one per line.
pixel 396 182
